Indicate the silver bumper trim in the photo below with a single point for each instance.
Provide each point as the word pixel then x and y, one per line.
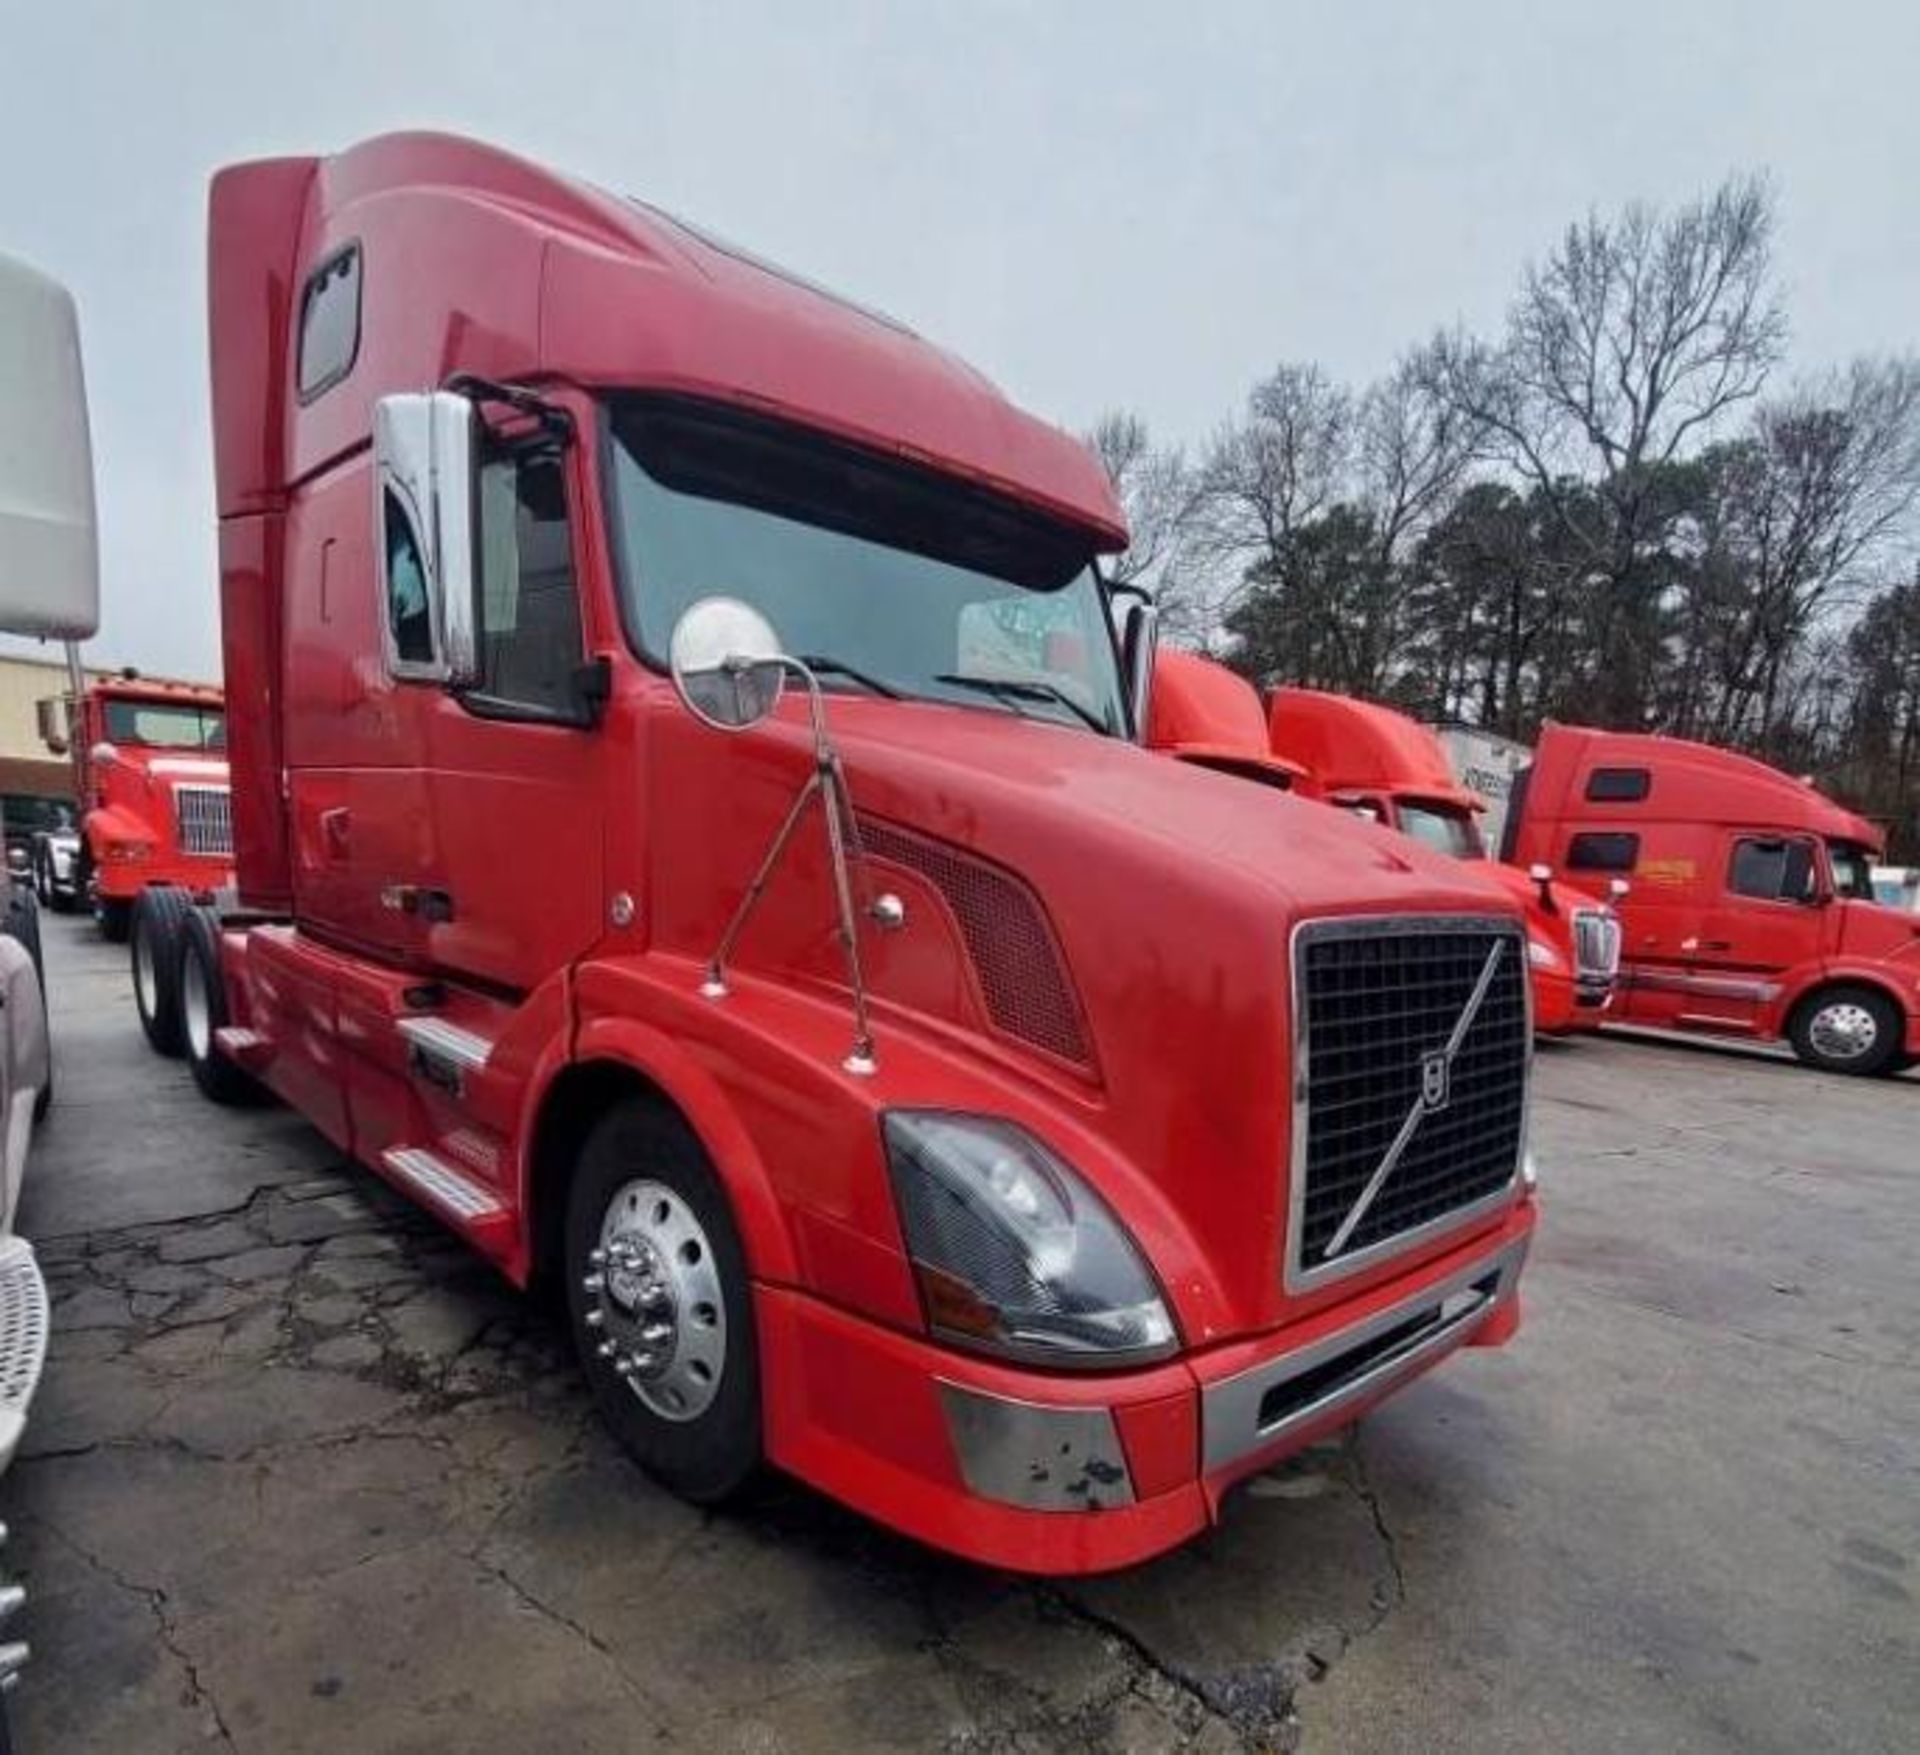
pixel 1039 1458
pixel 1230 1410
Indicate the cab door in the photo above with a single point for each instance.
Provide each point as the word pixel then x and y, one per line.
pixel 1767 918
pixel 515 784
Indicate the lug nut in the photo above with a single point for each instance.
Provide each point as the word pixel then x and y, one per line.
pixel 606 1350
pixel 594 1318
pixel 594 1283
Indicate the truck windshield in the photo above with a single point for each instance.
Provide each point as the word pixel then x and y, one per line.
pixel 171 725
pixel 894 578
pixel 1852 870
pixel 1444 827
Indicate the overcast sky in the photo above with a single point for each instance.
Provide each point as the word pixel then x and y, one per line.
pixel 1142 205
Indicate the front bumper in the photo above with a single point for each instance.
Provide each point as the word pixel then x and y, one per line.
pixel 1060 1473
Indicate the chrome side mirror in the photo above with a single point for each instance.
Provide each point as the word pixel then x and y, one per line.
pixel 50 716
pixel 103 755
pixel 49 547
pixel 424 513
pixel 1541 874
pixel 1617 888
pixel 1137 648
pixel 726 662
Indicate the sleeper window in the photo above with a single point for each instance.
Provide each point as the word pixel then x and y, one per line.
pixel 529 609
pixel 1600 851
pixel 329 323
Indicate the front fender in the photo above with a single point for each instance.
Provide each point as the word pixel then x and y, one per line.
pixel 1900 984
pixel 609 1032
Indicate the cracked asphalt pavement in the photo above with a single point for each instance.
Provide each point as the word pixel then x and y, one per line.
pixel 304 1475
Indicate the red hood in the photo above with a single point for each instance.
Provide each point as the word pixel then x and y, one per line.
pixel 1873 930
pixel 1171 891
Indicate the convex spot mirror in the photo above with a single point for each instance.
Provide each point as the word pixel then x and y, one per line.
pixel 726 662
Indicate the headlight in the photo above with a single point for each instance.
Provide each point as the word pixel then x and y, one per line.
pixel 1543 956
pixel 1014 1253
pixel 128 852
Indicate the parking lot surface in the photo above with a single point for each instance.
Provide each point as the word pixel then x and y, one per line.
pixel 304 1475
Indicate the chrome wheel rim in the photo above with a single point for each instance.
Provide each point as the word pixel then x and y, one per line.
pixel 196 1013
pixel 1843 1031
pixel 144 975
pixel 654 1303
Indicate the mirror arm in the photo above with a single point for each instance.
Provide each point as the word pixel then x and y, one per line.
pixel 828 782
pixel 555 424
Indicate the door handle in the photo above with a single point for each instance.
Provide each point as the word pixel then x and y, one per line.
pixel 336 831
pixel 433 906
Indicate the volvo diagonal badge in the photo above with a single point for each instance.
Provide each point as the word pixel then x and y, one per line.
pixel 1436 1076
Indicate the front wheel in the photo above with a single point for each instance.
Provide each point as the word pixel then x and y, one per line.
pixel 1848 1030
pixel 660 1306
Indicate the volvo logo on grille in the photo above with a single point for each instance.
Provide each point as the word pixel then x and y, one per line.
pixel 1436 1080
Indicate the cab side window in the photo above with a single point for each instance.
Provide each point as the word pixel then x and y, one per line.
pixel 1771 869
pixel 529 609
pixel 1602 851
pixel 410 630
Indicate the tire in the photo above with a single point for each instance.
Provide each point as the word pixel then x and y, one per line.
pixel 202 999
pixel 690 1416
pixel 159 914
pixel 1848 1029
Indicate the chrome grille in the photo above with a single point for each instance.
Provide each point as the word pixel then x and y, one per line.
pixel 1596 945
pixel 205 818
pixel 1412 1042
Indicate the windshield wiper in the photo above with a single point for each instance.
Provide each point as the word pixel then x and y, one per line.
pixel 1021 689
pixel 833 667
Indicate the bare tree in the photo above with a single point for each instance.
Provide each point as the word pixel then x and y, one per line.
pixel 1827 484
pixel 1266 475
pixel 1622 353
pixel 1156 490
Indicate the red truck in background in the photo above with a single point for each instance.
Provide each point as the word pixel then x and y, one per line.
pixel 1751 912
pixel 1011 1152
pixel 151 775
pixel 1381 765
pixel 1368 758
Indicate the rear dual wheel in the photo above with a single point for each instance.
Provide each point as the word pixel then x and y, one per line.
pixel 202 990
pixel 153 936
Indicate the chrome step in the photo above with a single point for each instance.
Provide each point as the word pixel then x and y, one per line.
pixel 447 1042
pixel 431 1176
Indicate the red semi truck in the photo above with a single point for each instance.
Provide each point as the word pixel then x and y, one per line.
pixel 1383 766
pixel 1751 912
pixel 1371 759
pixel 1011 1146
pixel 151 773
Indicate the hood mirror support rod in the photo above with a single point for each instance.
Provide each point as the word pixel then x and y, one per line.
pixel 729 673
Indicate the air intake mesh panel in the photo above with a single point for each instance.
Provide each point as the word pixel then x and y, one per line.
pixel 1021 972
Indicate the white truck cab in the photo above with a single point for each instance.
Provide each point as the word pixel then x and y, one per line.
pixel 49 587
